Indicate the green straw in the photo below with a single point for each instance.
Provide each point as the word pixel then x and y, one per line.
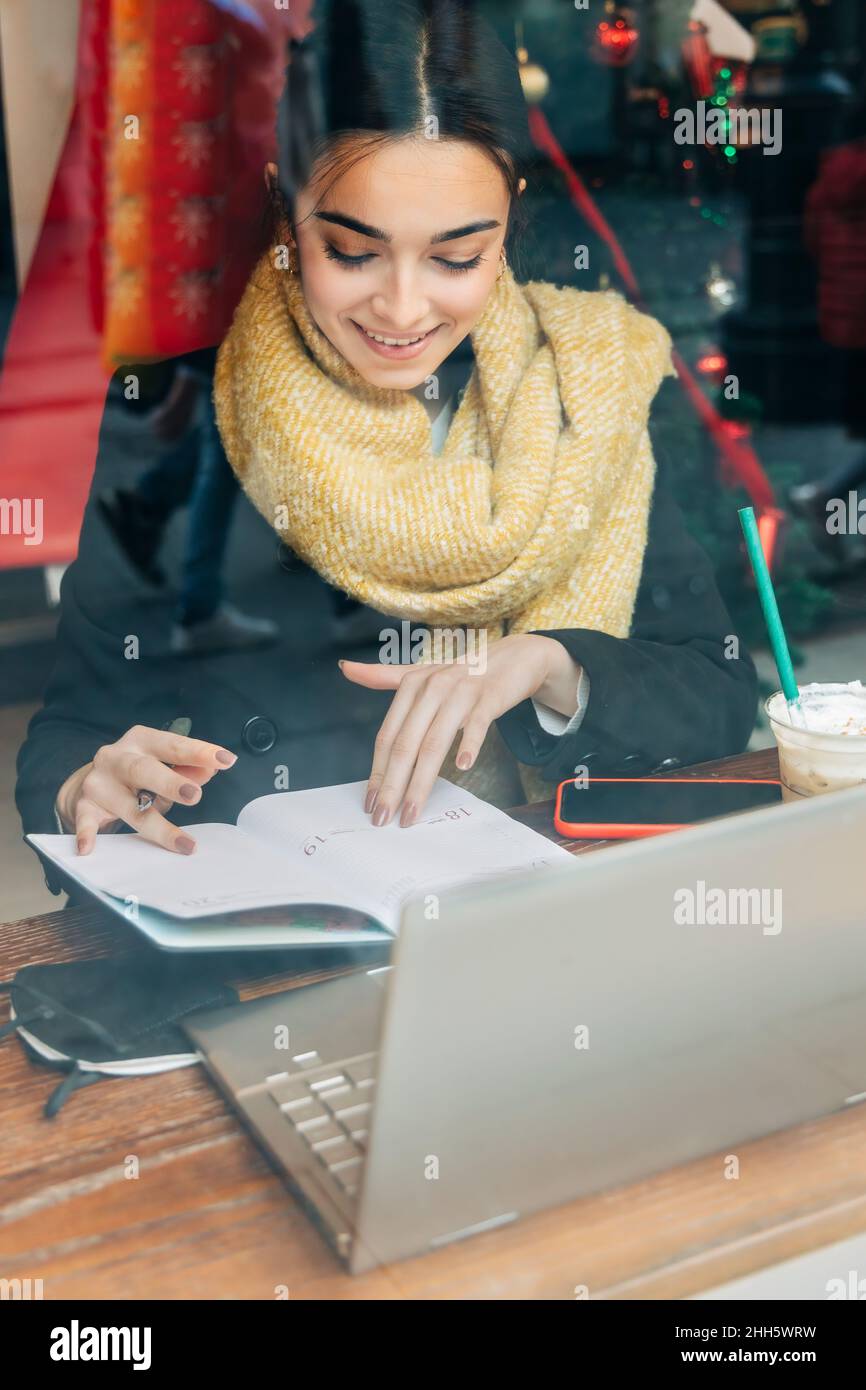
pixel 766 594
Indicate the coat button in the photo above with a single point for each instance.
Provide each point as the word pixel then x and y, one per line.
pixel 259 734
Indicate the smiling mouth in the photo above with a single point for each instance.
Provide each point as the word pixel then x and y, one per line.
pixel 394 342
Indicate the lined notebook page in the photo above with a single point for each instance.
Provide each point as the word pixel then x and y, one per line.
pixel 229 871
pixel 457 839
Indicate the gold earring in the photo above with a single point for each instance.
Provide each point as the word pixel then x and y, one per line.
pixel 503 264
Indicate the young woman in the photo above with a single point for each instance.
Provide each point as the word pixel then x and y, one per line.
pixel 449 447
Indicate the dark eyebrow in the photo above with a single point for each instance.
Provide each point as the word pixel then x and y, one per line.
pixel 340 219
pixel 470 227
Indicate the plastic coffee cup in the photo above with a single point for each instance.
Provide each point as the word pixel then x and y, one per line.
pixel 830 753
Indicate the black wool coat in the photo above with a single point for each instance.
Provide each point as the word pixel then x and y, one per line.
pixel 674 692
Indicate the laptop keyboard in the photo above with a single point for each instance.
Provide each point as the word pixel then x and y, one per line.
pixel 331 1112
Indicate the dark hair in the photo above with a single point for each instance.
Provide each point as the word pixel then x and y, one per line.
pixel 375 70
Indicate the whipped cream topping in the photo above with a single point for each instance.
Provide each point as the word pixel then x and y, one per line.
pixel 827 708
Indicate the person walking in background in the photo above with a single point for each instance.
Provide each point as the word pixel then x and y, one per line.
pixel 193 472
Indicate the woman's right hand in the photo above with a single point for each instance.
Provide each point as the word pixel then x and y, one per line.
pixel 105 791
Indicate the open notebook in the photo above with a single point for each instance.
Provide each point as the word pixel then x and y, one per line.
pixel 314 850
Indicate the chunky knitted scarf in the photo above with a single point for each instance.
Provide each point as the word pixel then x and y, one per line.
pixel 534 516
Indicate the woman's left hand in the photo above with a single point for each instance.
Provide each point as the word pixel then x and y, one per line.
pixel 433 701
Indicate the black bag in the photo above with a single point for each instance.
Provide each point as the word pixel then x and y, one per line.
pixel 113 1017
pixel 122 1016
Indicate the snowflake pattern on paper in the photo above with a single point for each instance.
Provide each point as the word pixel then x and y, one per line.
pixel 125 291
pixel 195 67
pixel 192 220
pixel 128 218
pixel 130 61
pixel 192 294
pixel 195 142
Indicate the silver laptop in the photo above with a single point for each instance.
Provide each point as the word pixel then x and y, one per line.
pixel 547 1036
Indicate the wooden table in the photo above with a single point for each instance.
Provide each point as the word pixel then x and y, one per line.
pixel 207 1217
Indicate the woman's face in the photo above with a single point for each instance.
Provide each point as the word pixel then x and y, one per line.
pixel 398 260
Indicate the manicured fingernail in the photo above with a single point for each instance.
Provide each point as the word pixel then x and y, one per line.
pixel 184 844
pixel 464 760
pixel 371 800
pixel 225 758
pixel 380 815
pixel 189 791
pixel 410 811
pixel 81 844
pixel 340 664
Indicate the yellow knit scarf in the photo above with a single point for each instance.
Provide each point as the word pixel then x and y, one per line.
pixel 533 516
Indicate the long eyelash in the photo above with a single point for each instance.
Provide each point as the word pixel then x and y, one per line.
pixel 350 262
pixel 354 262
pixel 459 266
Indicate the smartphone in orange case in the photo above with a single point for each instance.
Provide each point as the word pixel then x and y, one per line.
pixel 628 808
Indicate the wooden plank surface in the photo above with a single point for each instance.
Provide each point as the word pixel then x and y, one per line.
pixel 207 1218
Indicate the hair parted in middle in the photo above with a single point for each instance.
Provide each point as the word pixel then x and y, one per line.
pixel 379 70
